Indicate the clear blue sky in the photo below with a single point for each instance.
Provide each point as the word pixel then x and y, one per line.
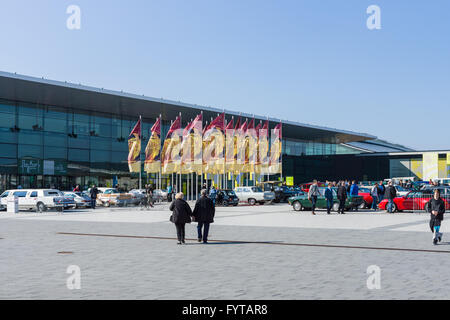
pixel 309 61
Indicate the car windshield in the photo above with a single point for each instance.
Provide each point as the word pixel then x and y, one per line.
pixel 4 194
pixel 230 193
pixel 256 189
pixel 400 188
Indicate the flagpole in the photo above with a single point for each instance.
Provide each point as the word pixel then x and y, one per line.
pixel 140 149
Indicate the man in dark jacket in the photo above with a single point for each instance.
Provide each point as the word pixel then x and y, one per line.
pixel 181 215
pixel 390 194
pixel 381 191
pixel 342 196
pixel 436 207
pixel 204 214
pixel 329 198
pixel 94 193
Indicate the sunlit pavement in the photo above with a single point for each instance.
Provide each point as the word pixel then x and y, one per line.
pixel 259 252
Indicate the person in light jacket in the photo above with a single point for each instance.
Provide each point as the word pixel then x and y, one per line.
pixel 313 193
pixel 181 215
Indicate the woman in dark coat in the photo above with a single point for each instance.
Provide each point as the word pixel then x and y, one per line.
pixel 181 215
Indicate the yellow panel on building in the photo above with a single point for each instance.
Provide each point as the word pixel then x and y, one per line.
pixel 430 165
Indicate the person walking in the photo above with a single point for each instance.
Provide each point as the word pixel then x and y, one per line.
pixel 181 215
pixel 169 193
pixel 329 198
pixel 93 193
pixel 374 194
pixel 381 191
pixel 436 207
pixel 149 195
pixel 354 191
pixel 342 197
pixel 203 213
pixel 213 195
pixel 390 194
pixel 313 193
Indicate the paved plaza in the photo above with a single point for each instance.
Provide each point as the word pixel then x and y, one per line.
pixel 260 252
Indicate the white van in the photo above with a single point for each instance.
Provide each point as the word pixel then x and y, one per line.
pixel 252 195
pixel 37 199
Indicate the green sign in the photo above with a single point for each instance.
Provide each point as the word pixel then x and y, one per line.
pixel 30 166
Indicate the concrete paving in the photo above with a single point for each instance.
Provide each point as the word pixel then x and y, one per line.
pixel 260 252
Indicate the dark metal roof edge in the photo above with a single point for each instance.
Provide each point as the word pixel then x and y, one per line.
pixel 175 103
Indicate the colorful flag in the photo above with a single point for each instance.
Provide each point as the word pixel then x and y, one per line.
pixel 250 147
pixel 258 163
pixel 152 162
pixel 134 148
pixel 186 149
pixel 241 147
pixel 275 150
pixel 213 152
pixel 230 147
pixel 171 159
pixel 198 144
pixel 263 148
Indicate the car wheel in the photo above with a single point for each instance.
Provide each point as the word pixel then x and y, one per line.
pixel 394 207
pixel 251 202
pixel 106 204
pixel 60 209
pixel 40 207
pixel 336 207
pixel 363 205
pixel 261 202
pixel 225 203
pixel 297 206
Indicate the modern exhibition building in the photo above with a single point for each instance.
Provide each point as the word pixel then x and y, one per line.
pixel 61 134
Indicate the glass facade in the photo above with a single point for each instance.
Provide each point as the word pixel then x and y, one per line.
pixel 45 146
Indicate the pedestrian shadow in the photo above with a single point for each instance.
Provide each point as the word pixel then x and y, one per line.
pixel 212 242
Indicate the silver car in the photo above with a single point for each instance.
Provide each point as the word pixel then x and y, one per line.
pixel 81 200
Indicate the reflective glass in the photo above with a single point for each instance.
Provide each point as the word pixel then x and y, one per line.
pixel 30 137
pixel 8 150
pixel 26 150
pixel 55 153
pixel 55 125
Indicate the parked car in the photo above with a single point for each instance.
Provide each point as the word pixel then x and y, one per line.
pixel 254 195
pixel 81 200
pixel 305 186
pixel 367 198
pixel 38 199
pixel 160 195
pixel 68 201
pixel 282 193
pixel 416 200
pixel 226 198
pixel 301 202
pixel 137 196
pixel 111 196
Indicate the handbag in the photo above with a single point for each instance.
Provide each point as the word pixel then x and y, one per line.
pixel 171 218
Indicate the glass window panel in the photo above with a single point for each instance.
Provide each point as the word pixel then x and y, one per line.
pixel 119 146
pixel 55 112
pixel 99 143
pixel 78 127
pixel 119 157
pixel 26 150
pixel 80 117
pixel 100 156
pixel 30 122
pixel 8 150
pixel 7 120
pixel 78 155
pixel 7 108
pixel 55 139
pixel 8 165
pixel 55 153
pixel 80 141
pixel 7 136
pixel 55 125
pixel 31 110
pixel 30 137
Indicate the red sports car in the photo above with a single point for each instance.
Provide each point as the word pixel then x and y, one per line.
pixel 365 193
pixel 414 200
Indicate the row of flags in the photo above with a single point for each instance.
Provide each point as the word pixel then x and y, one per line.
pixel 216 148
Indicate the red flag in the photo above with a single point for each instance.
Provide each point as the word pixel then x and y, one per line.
pixel 134 148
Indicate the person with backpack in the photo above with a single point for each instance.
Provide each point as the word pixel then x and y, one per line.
pixel 436 208
pixel 313 193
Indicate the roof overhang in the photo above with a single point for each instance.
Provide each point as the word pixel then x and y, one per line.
pixel 28 89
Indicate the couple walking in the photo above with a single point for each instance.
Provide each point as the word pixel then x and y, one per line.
pixel 203 214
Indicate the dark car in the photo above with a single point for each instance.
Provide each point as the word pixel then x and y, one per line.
pixel 282 193
pixel 226 198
